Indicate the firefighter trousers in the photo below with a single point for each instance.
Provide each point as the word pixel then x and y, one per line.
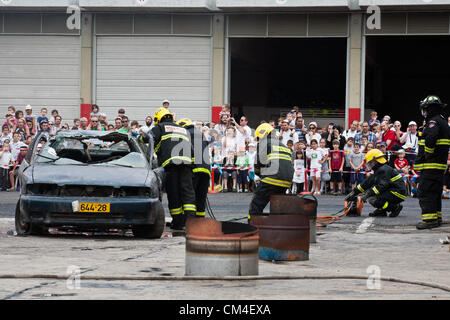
pixel 201 185
pixel 261 197
pixel 430 188
pixel 386 201
pixel 180 192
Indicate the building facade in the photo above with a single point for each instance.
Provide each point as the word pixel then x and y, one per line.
pixel 336 59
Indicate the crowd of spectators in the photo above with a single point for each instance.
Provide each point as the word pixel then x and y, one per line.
pixel 326 159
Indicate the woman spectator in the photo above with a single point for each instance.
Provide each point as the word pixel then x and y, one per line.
pixel 312 133
pixel 229 142
pixel 388 135
pixel 336 134
pixel 31 128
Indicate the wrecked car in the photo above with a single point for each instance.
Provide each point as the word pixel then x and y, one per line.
pixel 89 180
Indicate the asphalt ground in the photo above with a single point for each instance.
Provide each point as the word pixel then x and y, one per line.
pixel 342 264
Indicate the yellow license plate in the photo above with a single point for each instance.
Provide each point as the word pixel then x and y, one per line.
pixel 94 207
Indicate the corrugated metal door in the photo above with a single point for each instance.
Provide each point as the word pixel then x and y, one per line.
pixel 43 71
pixel 138 73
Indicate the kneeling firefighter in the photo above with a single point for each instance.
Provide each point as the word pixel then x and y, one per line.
pixel 201 168
pixel 273 165
pixel 384 190
pixel 174 151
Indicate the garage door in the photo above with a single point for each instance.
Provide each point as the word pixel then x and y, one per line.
pixel 43 71
pixel 138 73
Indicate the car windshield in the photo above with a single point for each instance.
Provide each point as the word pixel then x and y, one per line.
pixel 98 151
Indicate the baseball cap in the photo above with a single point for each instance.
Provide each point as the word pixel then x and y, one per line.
pixel 166 101
pixel 412 123
pixel 313 124
pixel 401 151
pixel 383 144
pixel 28 107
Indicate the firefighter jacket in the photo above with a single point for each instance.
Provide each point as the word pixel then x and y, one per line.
pixel 172 144
pixel 201 150
pixel 274 162
pixel 384 179
pixel 434 142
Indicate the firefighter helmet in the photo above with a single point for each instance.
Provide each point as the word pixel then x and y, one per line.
pixel 185 122
pixel 373 157
pixel 263 130
pixel 159 114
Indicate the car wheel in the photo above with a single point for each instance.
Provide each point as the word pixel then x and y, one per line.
pixel 26 228
pixel 152 231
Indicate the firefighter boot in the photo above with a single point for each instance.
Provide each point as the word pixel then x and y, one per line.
pixel 395 211
pixel 427 224
pixel 378 213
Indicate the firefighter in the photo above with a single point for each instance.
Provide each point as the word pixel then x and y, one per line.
pixel 274 167
pixel 384 190
pixel 174 151
pixel 431 161
pixel 201 169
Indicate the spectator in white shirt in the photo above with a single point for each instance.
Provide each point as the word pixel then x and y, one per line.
pixel 243 132
pixel 312 133
pixel 15 145
pixel 229 142
pixel 5 161
pixel 411 136
pixel 286 133
pixel 350 133
pixel 148 124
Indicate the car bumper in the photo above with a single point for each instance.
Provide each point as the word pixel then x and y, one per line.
pixel 57 211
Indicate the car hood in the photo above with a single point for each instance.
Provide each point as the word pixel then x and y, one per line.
pixel 114 176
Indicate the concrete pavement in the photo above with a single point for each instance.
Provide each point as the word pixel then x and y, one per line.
pixel 368 249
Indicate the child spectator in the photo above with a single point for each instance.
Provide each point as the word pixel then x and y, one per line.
pixel 317 156
pixel 299 172
pixel 401 164
pixel 348 149
pixel 251 154
pixel 356 163
pixel 15 170
pixel 242 161
pixel 43 116
pixel 336 162
pixel 229 161
pixel 324 174
pixel 5 160
pixel 5 134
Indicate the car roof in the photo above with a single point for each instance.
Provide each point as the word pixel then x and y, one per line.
pixel 102 135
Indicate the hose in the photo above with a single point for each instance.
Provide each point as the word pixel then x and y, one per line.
pixel 224 278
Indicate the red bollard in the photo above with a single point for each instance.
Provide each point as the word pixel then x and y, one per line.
pixel 212 182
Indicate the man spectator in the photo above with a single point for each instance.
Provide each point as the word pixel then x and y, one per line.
pixel 286 133
pixel 223 124
pixel 300 128
pixel 243 132
pixel 94 125
pixel 411 136
pixel 365 132
pixel 148 125
pixel 76 124
pixel 83 123
pixel 312 133
pixel 58 124
pixel 125 125
pixel 352 131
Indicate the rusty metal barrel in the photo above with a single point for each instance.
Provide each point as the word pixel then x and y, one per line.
pixel 215 248
pixel 283 237
pixel 294 204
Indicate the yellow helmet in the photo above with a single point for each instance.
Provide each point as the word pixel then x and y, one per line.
pixel 185 122
pixel 377 155
pixel 263 130
pixel 159 114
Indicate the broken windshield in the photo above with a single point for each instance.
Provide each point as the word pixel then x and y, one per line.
pixel 92 150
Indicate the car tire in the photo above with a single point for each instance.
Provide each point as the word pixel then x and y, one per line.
pixel 152 231
pixel 26 228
